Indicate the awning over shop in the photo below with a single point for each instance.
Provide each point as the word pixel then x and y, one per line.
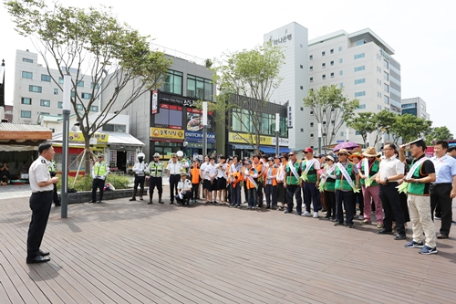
pixel 114 139
pixel 242 147
pixel 272 150
pixel 23 135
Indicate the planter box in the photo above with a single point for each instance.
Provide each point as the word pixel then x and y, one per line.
pixel 86 196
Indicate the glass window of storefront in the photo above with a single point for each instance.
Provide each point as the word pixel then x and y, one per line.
pixel 173 82
pixel 200 88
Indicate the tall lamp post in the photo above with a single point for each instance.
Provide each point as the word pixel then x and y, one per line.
pixel 319 138
pixel 66 129
pixel 277 129
pixel 204 128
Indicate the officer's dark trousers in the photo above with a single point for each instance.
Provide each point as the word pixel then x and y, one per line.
pixel 235 194
pixel 391 203
pixel 97 184
pixel 173 181
pixel 155 182
pixel 139 180
pixel 40 204
pixel 345 198
pixel 440 196
pixel 271 192
pixel 311 193
pixel 292 191
pixel 55 197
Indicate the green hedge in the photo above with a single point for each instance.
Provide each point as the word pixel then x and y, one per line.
pixel 84 183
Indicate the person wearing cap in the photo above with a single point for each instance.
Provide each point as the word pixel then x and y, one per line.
pixel 234 178
pixel 174 169
pixel 310 167
pixel 99 172
pixel 251 183
pixel 419 179
pixel 270 184
pixel 370 167
pixel 281 198
pixel 347 179
pixel 202 170
pixel 329 179
pixel 155 172
pixel 184 190
pixel 195 179
pixel 322 160
pixel 291 183
pixel 221 180
pixel 140 176
pixel 358 198
pixel 443 191
pixel 261 169
pixel 182 160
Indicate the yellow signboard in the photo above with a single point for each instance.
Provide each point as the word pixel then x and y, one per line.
pixel 100 137
pixel 244 138
pixel 167 133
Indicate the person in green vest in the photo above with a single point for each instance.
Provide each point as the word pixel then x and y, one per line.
pixel 347 179
pixel 154 173
pixel 292 183
pixel 53 172
pixel 419 179
pixel 99 172
pixel 329 179
pixel 310 182
pixel 370 167
pixel 356 158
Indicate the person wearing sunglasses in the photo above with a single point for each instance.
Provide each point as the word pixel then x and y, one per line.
pixel 154 173
pixel 291 183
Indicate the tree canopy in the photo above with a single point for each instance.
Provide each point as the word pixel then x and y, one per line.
pixel 438 133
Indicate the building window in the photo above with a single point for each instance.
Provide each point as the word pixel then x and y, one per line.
pixel 323 65
pixel 333 122
pixel 56 91
pixel 357 133
pixel 359 94
pixel 311 57
pixel 341 60
pixel 311 79
pixel 26 114
pixel 200 88
pixel 341 84
pixel 311 135
pixel 60 80
pixel 360 42
pixel 73 94
pixel 173 82
pixel 386 87
pixel 379 57
pixel 312 89
pixel 340 49
pixel 86 96
pixel 301 87
pixel 28 75
pixel 323 53
pixel 379 69
pixel 60 104
pixel 361 107
pixel 332 62
pixel 311 113
pixel 301 66
pixel 27 60
pixel 35 89
pixel 357 56
pixel 342 133
pixel 385 64
pixel 93 108
pixel 311 124
pixel 323 76
pixel 115 128
pixel 360 68
pixel 331 51
pixel 386 76
pixel 45 103
pixel 341 73
pixel 96 85
pixel 80 83
pixel 359 81
pixel 46 78
pixel 379 82
pixel 379 107
pixel 332 75
pixel 79 106
pixel 379 95
pixel 26 101
pixel 386 100
pixel 311 68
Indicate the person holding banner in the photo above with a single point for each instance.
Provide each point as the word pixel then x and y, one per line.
pixel 370 167
pixel 310 180
pixel 292 183
pixel 347 181
pixel 251 178
pixel 417 183
pixel 327 185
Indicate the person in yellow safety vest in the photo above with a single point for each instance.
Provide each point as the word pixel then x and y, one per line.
pixel 99 172
pixel 53 172
pixel 154 173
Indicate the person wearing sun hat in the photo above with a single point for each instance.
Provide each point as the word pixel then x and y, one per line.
pixel 358 198
pixel 310 167
pixel 370 167
pixel 328 179
pixel 347 179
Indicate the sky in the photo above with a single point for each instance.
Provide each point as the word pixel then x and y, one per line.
pixel 422 33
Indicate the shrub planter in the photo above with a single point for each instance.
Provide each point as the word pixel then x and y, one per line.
pixel 86 196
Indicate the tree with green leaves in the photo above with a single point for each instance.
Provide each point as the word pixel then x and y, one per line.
pixel 331 108
pixel 409 127
pixel 246 80
pixel 438 133
pixel 382 120
pixel 364 124
pixel 99 47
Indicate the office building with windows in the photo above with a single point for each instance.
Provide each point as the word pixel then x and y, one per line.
pixel 35 93
pixel 415 106
pixel 361 63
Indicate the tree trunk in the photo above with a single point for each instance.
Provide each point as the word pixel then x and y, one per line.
pixel 88 156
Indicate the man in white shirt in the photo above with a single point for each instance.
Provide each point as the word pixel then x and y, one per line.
pixel 221 179
pixel 202 169
pixel 174 169
pixel 184 189
pixel 209 175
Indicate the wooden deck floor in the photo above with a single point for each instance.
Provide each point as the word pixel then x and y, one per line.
pixel 131 252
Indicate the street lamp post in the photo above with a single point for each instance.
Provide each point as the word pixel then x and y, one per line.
pixel 66 127
pixel 204 128
pixel 277 129
pixel 319 138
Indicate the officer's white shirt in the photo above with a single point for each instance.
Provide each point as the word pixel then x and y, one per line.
pixel 221 170
pixel 174 168
pixel 209 170
pixel 139 168
pixel 184 186
pixel 39 172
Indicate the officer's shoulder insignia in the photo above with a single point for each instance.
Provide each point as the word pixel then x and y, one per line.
pixel 43 161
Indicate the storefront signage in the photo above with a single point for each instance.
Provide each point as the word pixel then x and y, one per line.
pixel 244 138
pixel 198 137
pixel 183 101
pixel 290 116
pixel 166 133
pixel 282 141
pixel 100 137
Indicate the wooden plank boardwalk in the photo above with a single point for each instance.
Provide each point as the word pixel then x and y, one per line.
pixel 131 252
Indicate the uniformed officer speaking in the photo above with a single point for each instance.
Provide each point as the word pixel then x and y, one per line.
pixel 154 172
pixel 42 186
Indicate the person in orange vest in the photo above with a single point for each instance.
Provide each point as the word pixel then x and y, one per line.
pixel 234 179
pixel 270 184
pixel 251 183
pixel 195 174
pixel 260 168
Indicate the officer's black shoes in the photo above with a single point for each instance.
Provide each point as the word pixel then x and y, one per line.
pixel 132 199
pixel 43 253
pixel 37 259
pixel 58 205
pixel 141 199
pixel 93 202
pixel 149 203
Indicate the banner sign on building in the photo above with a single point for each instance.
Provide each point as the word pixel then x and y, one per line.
pixel 154 105
pixel 290 116
pixel 195 120
pixel 77 136
pixel 243 138
pixel 166 133
pixel 198 137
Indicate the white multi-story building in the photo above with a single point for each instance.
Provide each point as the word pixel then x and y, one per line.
pixel 295 84
pixel 361 63
pixel 415 106
pixel 35 93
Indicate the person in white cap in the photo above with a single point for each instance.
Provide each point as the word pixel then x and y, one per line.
pixel 139 169
pixel 154 172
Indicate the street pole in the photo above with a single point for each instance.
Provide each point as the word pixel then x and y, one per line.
pixel 277 129
pixel 66 129
pixel 347 136
pixel 204 128
pixel 319 138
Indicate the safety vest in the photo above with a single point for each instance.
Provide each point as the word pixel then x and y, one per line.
pixel 341 182
pixel 52 167
pixel 291 179
pixel 311 174
pixel 249 184
pixel 374 167
pixel 99 168
pixel 418 188
pixel 195 173
pixel 273 173
pixel 156 169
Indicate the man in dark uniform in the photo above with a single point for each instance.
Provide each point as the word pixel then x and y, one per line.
pixel 42 186
pixel 154 171
pixel 53 172
pixel 99 172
